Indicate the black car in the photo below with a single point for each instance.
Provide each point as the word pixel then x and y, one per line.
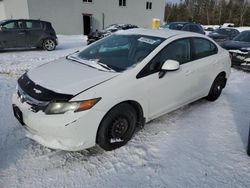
pixel 239 48
pixel 223 34
pixel 94 36
pixel 24 33
pixel 185 26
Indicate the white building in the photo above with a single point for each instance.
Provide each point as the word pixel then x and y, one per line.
pixel 80 16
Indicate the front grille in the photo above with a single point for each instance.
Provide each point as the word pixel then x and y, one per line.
pixel 239 56
pixel 40 93
pixel 35 105
pixel 37 96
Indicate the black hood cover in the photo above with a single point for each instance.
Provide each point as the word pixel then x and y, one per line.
pixel 40 93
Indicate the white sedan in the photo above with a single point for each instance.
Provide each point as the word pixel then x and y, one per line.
pixel 101 94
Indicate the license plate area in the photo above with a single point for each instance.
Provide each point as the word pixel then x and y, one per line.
pixel 18 114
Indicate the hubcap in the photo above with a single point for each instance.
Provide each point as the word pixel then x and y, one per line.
pixel 119 128
pixel 217 88
pixel 49 44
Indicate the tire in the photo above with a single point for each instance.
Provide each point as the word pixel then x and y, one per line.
pixel 49 44
pixel 216 88
pixel 248 146
pixel 117 127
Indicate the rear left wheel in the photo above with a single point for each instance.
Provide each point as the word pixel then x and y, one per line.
pixel 49 44
pixel 216 89
pixel 117 127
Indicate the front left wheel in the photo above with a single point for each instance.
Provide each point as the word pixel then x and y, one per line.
pixel 117 127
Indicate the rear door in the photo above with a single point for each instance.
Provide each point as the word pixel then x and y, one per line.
pixel 34 32
pixel 206 62
pixel 13 34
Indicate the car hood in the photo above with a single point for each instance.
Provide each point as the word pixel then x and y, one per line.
pixel 68 77
pixel 235 45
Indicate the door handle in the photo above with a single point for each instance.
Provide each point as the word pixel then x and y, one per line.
pixel 21 33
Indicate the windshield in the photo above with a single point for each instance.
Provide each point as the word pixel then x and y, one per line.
pixel 120 52
pixel 243 37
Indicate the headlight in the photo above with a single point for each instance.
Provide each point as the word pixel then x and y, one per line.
pixel 62 107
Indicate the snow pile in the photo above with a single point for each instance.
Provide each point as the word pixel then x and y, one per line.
pixel 15 62
pixel 199 145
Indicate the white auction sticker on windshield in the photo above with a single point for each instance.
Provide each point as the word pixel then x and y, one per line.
pixel 147 40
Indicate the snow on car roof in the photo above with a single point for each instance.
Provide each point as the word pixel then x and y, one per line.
pixel 162 33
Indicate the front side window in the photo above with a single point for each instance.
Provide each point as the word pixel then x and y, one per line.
pixel 203 48
pixel 122 3
pixel 178 50
pixel 13 25
pixel 120 52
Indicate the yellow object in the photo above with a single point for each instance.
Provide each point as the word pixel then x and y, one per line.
pixel 156 23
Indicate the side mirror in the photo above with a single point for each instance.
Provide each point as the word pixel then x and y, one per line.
pixel 169 65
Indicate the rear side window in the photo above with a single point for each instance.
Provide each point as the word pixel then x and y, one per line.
pixel 195 28
pixel 186 28
pixel 33 25
pixel 203 48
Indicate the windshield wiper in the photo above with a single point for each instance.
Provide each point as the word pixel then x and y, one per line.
pixel 106 66
pixel 73 58
pixel 90 63
pixel 67 57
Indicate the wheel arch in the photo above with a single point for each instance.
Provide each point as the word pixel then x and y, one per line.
pixel 139 112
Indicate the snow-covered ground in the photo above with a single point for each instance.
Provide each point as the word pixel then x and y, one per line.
pixel 199 145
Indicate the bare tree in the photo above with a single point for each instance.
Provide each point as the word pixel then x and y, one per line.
pixel 243 9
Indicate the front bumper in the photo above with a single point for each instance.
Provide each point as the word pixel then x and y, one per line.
pixel 70 131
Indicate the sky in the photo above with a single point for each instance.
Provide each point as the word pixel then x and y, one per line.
pixel 172 1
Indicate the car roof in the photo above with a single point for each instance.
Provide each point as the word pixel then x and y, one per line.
pixel 161 33
pixel 179 22
pixel 227 28
pixel 2 21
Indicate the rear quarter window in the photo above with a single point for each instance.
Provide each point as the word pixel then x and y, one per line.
pixel 203 48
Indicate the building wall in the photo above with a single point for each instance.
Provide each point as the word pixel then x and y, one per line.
pixel 65 15
pixel 16 9
pixel 134 13
pixel 2 11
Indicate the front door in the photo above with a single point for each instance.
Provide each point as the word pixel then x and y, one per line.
pixel 13 35
pixel 86 24
pixel 175 88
